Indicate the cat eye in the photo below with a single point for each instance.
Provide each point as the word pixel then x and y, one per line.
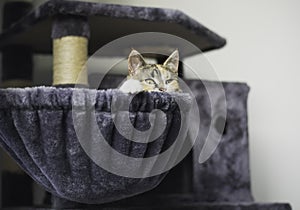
pixel 150 81
pixel 169 81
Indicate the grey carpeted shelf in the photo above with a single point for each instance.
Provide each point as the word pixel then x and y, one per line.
pixel 109 22
pixel 194 206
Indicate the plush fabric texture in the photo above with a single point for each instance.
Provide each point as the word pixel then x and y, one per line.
pixel 193 206
pixel 223 181
pixel 26 114
pixel 37 130
pixel 225 176
pixel 190 202
pixel 107 23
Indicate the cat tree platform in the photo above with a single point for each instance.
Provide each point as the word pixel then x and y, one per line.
pixel 38 131
pixel 221 183
pixel 44 142
pixel 107 22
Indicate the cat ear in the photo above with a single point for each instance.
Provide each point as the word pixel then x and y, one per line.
pixel 135 61
pixel 173 62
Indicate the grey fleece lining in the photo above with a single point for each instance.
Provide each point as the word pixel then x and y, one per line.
pixel 36 128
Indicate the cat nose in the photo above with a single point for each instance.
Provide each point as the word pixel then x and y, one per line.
pixel 162 89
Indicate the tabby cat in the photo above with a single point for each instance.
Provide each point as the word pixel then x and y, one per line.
pixel 151 77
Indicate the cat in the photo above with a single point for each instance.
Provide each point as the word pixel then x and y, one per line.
pixel 151 77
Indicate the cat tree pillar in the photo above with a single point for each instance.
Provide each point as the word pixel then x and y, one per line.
pixel 70 36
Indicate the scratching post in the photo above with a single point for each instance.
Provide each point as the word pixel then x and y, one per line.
pixel 70 36
pixel 70 49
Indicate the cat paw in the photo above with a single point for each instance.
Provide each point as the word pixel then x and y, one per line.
pixel 131 86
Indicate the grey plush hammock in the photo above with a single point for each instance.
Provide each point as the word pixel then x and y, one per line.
pixel 37 129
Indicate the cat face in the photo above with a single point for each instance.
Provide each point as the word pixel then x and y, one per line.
pixel 154 77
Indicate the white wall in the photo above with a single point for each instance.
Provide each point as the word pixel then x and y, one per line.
pixel 263 50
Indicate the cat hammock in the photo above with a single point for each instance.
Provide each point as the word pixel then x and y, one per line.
pixel 37 126
pixel 37 129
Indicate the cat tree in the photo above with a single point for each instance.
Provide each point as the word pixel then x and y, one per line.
pixel 37 126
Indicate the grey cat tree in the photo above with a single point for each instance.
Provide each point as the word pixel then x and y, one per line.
pixel 37 130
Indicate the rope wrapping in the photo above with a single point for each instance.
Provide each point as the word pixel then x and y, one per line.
pixel 69 60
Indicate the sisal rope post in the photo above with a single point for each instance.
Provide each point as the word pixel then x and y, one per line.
pixel 69 60
pixel 70 50
pixel 70 36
